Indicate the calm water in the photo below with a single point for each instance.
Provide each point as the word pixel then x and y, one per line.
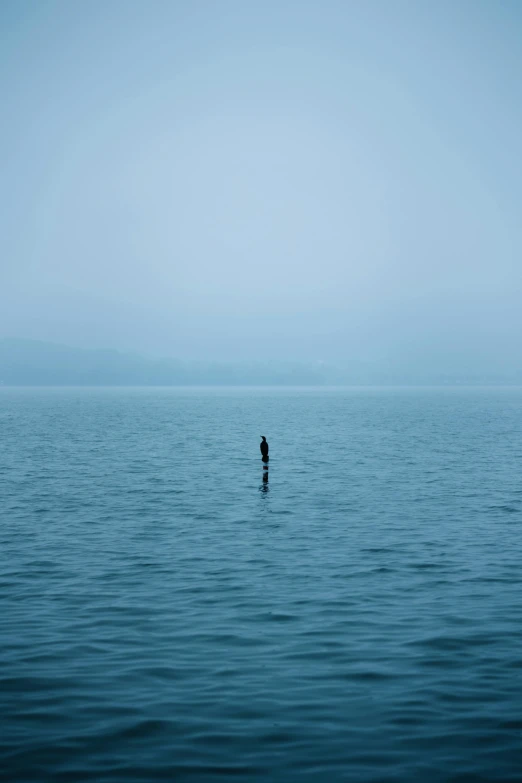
pixel 165 614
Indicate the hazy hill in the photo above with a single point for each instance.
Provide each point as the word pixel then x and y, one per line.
pixel 34 363
pixel 27 362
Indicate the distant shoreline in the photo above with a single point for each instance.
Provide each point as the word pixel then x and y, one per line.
pixel 321 387
pixel 32 363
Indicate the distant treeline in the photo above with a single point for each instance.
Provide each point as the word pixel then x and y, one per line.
pixel 33 363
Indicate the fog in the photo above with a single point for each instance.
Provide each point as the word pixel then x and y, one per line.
pixel 288 180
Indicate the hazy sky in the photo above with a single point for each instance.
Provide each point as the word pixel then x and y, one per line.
pixel 321 179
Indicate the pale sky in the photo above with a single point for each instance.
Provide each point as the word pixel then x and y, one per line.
pixel 288 179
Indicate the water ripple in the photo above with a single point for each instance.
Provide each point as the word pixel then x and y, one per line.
pixel 166 614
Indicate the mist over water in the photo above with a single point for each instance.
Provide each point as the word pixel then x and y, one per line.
pixel 167 614
pixel 302 181
pixel 292 193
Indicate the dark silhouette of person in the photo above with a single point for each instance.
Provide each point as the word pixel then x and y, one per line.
pixel 264 449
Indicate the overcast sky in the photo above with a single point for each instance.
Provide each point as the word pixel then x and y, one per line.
pixel 301 179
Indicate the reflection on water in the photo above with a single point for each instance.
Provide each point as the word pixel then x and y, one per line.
pixel 264 486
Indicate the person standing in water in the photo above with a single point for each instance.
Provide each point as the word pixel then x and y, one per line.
pixel 264 449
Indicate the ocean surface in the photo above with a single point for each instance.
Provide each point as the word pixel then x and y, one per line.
pixel 168 614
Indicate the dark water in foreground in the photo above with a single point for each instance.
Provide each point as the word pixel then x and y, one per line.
pixel 167 615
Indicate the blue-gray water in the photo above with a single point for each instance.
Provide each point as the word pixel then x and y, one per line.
pixel 167 615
